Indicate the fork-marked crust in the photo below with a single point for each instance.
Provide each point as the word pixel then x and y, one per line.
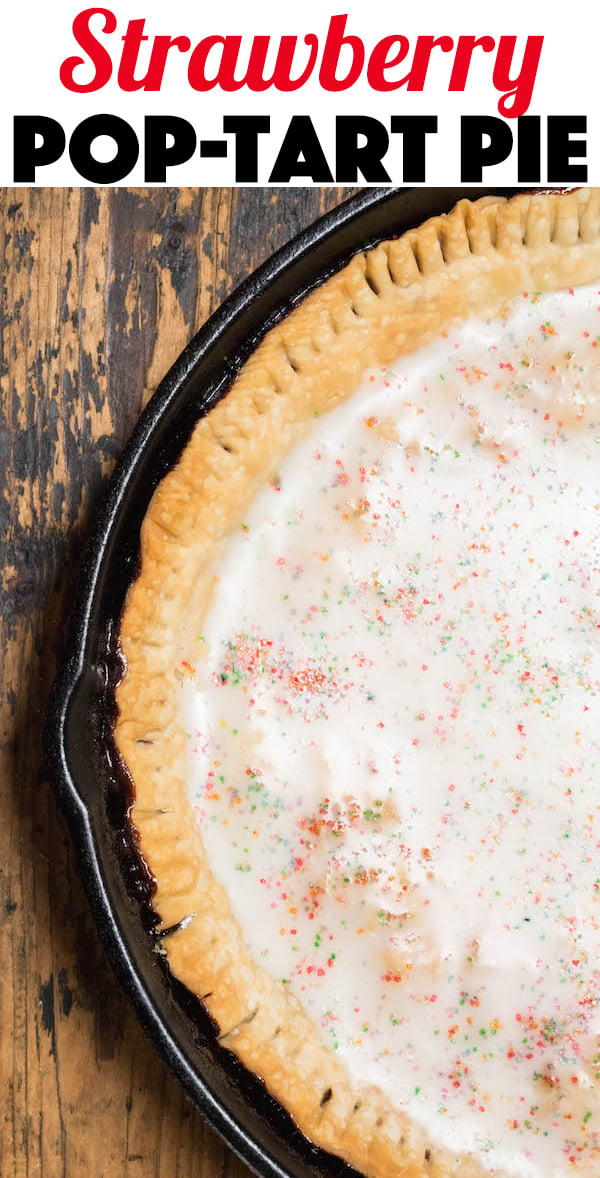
pixel 387 302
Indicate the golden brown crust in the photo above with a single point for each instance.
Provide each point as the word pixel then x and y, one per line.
pixel 389 301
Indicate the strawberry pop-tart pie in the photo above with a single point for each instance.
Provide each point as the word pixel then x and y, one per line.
pixel 361 704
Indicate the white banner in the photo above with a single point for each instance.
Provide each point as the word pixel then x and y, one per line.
pixel 229 94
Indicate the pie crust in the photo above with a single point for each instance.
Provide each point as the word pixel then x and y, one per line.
pixel 387 302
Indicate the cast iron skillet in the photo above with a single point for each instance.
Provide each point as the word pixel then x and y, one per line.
pixel 90 784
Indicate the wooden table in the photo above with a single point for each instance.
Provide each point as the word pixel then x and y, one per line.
pixel 100 292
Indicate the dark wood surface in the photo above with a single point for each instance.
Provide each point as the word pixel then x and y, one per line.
pixel 100 292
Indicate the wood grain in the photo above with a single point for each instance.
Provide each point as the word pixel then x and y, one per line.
pixel 100 290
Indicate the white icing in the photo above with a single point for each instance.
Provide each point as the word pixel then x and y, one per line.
pixel 395 734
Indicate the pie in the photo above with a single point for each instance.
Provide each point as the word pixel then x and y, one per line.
pixel 361 704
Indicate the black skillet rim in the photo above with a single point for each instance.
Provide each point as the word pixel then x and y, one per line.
pixel 77 733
